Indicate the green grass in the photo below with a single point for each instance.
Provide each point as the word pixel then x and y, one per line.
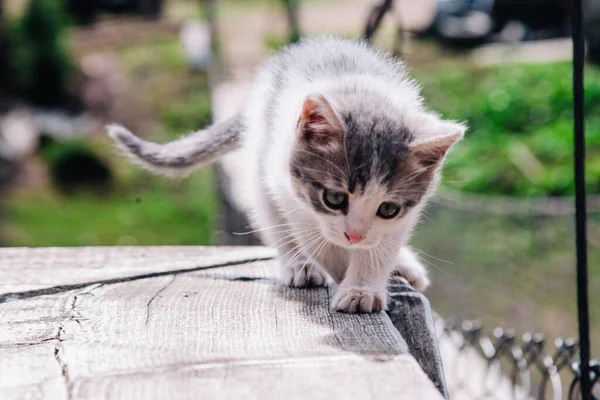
pixel 140 209
pixel 520 126
pixel 148 212
pixel 515 272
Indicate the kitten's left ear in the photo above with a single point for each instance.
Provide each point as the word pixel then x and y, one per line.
pixel 318 123
pixel 434 138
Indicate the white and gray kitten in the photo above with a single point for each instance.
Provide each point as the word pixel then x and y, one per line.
pixel 343 156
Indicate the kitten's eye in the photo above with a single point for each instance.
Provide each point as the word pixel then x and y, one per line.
pixel 335 200
pixel 388 210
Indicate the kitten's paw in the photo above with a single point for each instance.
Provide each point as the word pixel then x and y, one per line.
pixel 359 299
pixel 302 274
pixel 416 276
pixel 411 268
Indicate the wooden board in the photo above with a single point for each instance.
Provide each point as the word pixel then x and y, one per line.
pixel 24 270
pixel 228 332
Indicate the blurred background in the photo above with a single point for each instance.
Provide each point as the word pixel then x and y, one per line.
pixel 499 237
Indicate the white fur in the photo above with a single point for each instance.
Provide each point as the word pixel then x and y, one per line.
pixel 312 246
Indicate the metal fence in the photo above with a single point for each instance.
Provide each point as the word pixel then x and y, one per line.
pixel 504 365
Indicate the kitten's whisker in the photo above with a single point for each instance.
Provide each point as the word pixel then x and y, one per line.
pixel 441 195
pixel 326 244
pixel 427 217
pixel 456 181
pixel 294 237
pixel 429 255
pixel 299 232
pixel 271 227
pixel 428 262
pixel 431 264
pixel 299 252
pixel 415 174
pixel 311 259
pixel 285 214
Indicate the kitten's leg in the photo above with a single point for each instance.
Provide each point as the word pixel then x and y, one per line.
pixel 409 266
pixel 297 270
pixel 364 288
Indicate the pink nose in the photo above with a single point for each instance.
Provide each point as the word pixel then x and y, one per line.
pixel 354 238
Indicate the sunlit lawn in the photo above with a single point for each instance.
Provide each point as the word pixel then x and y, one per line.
pixel 146 212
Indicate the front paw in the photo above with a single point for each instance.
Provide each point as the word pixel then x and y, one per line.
pixel 302 274
pixel 359 299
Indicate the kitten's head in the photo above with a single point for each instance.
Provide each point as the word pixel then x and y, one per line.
pixel 364 171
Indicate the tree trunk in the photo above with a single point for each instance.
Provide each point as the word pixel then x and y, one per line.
pixel 209 8
pixel 230 219
pixel 4 56
pixel 291 7
pixel 378 11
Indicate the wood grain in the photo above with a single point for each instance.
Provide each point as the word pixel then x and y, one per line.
pixel 230 332
pixel 32 269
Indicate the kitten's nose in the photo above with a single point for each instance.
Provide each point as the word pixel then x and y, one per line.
pixel 353 238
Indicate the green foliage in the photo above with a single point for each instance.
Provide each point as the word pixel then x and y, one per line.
pixel 193 114
pixel 41 62
pixel 276 43
pixel 520 127
pixel 140 208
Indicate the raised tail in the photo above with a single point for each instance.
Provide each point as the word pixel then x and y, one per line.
pixel 182 156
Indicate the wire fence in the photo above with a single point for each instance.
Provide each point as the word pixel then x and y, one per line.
pixel 505 366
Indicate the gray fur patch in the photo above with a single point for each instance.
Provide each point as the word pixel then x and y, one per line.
pixel 185 154
pixel 374 148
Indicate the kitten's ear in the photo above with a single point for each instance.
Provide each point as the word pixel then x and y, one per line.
pixel 318 123
pixel 434 138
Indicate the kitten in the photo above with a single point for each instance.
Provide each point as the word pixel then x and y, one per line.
pixel 343 158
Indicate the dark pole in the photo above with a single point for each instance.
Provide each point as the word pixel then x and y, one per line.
pixel 580 203
pixel 376 16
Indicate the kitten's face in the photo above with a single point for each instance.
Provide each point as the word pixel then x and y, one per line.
pixel 361 174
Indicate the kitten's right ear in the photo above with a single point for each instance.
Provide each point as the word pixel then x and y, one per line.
pixel 435 138
pixel 318 124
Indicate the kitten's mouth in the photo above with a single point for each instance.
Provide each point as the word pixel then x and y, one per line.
pixel 361 245
pixel 344 243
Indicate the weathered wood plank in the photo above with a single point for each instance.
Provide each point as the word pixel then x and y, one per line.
pixel 235 313
pixel 344 377
pixel 411 314
pixel 31 372
pixel 24 269
pixel 30 334
pixel 231 332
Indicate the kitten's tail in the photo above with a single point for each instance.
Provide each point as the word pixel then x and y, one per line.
pixel 182 156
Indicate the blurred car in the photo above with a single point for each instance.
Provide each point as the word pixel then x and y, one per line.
pixel 85 12
pixel 467 23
